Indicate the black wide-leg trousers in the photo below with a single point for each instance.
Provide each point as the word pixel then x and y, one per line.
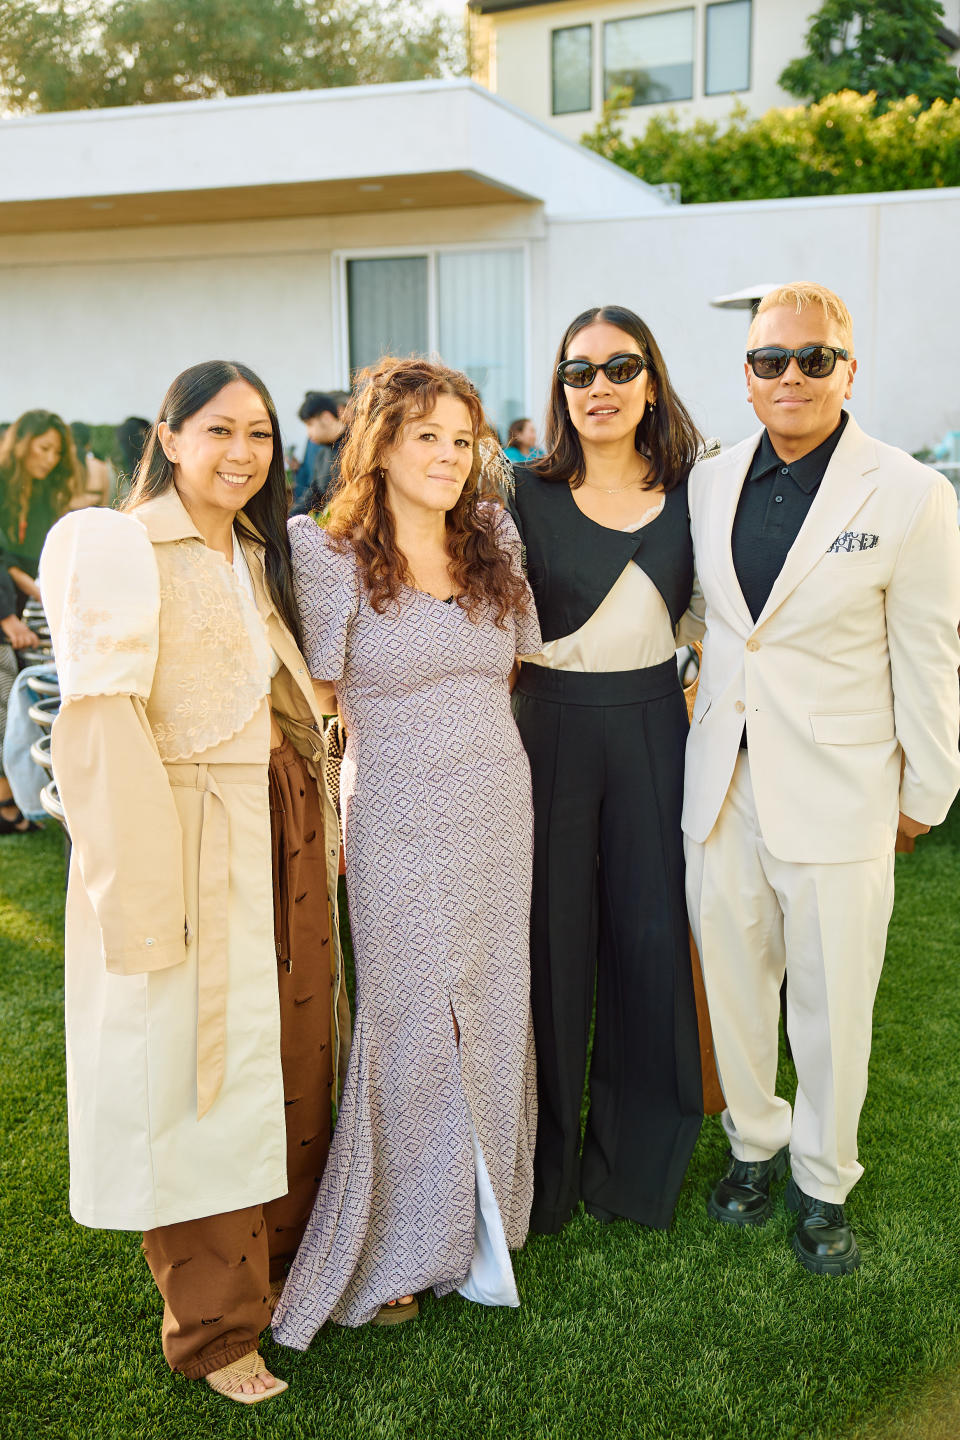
pixel 609 919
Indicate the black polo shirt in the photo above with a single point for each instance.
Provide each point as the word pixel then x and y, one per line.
pixel 774 502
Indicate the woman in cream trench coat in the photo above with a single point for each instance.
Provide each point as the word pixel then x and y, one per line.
pixel 175 1090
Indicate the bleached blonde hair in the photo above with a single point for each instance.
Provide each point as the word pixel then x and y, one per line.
pixel 799 295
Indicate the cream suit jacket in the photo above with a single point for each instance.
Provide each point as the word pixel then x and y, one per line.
pixel 852 661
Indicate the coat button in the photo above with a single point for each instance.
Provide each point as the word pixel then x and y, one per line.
pixel 740 707
pixel 753 645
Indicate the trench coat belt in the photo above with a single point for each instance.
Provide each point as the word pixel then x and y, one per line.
pixel 212 919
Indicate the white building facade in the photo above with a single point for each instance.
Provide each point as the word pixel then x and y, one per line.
pixel 304 234
pixel 560 59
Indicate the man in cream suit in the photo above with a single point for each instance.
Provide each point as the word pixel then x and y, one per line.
pixel 830 569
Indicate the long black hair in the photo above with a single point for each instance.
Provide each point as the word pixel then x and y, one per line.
pixel 666 435
pixel 267 510
pixel 57 486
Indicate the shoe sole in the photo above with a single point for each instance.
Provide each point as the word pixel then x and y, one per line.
pixel 760 1217
pixel 396 1314
pixel 846 1266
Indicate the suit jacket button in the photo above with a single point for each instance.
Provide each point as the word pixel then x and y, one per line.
pixel 739 707
pixel 753 645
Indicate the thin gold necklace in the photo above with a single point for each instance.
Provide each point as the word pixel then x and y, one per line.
pixel 617 490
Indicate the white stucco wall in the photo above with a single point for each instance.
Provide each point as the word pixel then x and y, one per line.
pixel 103 320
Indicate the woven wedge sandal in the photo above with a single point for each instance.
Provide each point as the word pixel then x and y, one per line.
pixel 276 1290
pixel 228 1379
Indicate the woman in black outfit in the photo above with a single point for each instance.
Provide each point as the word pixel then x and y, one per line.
pixel 603 517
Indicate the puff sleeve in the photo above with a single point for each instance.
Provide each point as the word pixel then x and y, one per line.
pixel 102 598
pixel 529 641
pixel 327 590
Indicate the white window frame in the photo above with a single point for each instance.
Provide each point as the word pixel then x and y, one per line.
pixel 341 329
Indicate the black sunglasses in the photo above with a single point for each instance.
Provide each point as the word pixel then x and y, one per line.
pixel 619 369
pixel 815 361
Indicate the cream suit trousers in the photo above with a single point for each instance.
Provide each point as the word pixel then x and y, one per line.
pixel 754 916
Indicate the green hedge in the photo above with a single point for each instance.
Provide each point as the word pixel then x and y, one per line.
pixel 843 145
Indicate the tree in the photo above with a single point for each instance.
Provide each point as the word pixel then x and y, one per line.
pixel 890 47
pixel 83 54
pixel 47 47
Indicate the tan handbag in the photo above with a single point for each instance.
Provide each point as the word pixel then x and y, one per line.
pixel 713 1101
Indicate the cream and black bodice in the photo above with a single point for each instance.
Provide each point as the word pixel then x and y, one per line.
pixel 607 600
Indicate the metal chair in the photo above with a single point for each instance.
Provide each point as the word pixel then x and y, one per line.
pixel 44 685
pixel 44 712
pixel 40 753
pixel 50 800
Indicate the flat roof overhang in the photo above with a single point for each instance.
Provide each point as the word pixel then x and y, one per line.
pixel 256 202
pixel 490 7
pixel 362 149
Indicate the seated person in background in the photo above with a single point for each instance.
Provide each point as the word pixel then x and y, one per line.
pixel 39 475
pixel 521 443
pixel 14 636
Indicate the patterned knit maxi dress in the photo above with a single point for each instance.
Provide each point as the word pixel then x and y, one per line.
pixel 435 789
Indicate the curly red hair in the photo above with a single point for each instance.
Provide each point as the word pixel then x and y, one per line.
pixel 389 394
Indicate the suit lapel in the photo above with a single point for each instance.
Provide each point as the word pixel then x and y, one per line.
pixel 847 483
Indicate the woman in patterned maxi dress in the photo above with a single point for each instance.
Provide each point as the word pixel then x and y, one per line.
pixel 430 1176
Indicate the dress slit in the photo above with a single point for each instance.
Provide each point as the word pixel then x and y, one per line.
pixel 491 1279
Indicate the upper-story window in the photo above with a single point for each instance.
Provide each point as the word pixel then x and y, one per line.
pixel 651 55
pixel 728 47
pixel 572 65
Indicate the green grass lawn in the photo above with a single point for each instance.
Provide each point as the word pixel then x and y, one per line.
pixel 702 1332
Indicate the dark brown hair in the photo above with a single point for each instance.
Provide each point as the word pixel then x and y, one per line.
pixel 58 485
pixel 666 435
pixel 267 510
pixel 389 394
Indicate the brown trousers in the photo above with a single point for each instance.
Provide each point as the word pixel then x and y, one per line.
pixel 214 1273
